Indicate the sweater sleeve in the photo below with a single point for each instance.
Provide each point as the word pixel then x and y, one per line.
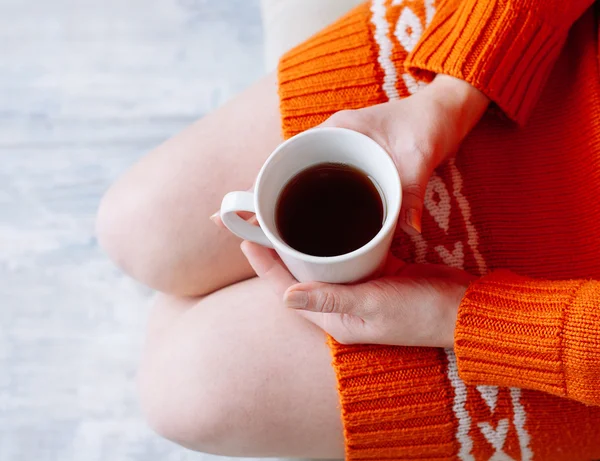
pixel 534 334
pixel 504 48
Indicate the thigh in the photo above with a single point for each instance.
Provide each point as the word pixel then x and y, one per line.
pixel 154 221
pixel 237 374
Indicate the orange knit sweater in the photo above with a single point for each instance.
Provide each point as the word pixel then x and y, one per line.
pixel 523 381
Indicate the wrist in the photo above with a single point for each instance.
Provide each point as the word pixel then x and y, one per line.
pixel 461 103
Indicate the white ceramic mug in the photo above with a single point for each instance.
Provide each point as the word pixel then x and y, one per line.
pixel 312 147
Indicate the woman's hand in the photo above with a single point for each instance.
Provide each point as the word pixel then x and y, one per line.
pixel 419 132
pixel 412 305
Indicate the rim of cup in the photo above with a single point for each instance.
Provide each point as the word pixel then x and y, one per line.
pixel 391 214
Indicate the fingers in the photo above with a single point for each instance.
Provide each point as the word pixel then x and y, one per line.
pixel 381 311
pixel 345 329
pixel 319 297
pixel 324 298
pixel 411 212
pixel 349 313
pixel 268 266
pixel 245 215
pixel 216 218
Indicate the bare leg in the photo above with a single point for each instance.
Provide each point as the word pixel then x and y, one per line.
pixel 237 374
pixel 154 222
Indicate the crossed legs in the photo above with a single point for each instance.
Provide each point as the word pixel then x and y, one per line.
pixel 226 368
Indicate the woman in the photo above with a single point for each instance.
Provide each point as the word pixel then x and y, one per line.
pixel 228 370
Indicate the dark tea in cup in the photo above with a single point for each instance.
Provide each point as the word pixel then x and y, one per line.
pixel 329 209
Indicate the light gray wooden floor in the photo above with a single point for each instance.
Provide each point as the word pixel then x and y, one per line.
pixel 86 87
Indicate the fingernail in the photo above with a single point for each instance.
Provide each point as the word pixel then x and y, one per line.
pixel 214 217
pixel 413 219
pixel 296 300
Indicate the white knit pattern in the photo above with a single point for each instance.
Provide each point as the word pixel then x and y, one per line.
pixel 438 203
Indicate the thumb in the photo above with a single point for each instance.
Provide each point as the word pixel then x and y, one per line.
pixel 351 314
pixel 326 298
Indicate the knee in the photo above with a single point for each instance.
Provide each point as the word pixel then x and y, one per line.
pixel 123 231
pixel 138 231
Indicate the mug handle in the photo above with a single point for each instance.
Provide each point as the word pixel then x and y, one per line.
pixel 242 201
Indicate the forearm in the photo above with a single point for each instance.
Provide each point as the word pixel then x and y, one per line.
pixel 461 104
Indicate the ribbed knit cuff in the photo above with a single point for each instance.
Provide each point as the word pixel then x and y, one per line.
pixel 581 345
pixel 395 402
pixel 336 69
pixel 517 332
pixel 502 48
